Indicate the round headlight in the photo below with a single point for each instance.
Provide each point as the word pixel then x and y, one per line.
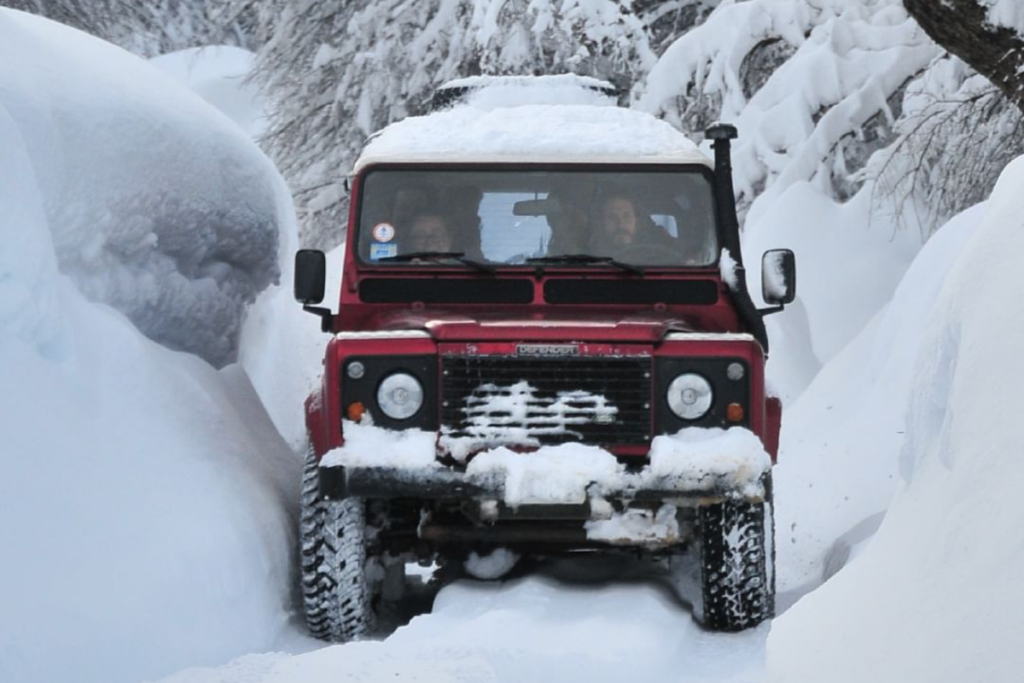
pixel 400 396
pixel 690 396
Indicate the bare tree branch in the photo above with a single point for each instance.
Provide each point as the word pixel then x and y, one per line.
pixel 963 28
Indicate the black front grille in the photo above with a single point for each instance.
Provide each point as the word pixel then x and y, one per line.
pixel 489 401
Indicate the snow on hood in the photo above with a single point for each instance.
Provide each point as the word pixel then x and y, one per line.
pixel 157 204
pixel 535 132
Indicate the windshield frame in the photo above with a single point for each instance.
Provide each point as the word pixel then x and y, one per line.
pixel 434 266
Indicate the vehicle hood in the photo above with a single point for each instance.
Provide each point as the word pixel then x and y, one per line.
pixel 648 327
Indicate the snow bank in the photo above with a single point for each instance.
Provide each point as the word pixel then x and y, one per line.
pixel 566 131
pixel 282 348
pixel 841 439
pixel 147 504
pixel 945 598
pixel 849 260
pixel 29 304
pixel 158 205
pixel 148 500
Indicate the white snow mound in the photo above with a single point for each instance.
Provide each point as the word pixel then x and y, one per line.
pixel 945 595
pixel 147 504
pixel 158 205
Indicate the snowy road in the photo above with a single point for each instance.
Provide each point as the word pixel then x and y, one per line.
pixel 571 621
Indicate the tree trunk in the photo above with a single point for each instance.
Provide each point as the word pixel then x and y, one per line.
pixel 962 27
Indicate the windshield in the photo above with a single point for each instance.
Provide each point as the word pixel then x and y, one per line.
pixel 517 217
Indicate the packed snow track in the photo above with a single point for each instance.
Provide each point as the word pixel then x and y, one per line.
pixel 593 619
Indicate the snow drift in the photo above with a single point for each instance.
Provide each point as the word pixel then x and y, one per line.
pixel 841 439
pixel 945 600
pixel 158 205
pixel 146 502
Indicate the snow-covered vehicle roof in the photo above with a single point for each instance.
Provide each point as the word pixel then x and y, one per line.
pixel 533 133
pixel 570 80
pixel 520 90
pixel 531 119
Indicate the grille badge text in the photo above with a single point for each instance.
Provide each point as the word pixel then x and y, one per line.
pixel 548 350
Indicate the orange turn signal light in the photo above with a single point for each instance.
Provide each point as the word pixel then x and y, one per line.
pixel 734 412
pixel 355 411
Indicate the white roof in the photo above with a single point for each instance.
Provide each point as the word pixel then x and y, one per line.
pixel 486 130
pixel 529 81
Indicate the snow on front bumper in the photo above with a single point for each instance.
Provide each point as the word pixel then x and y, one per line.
pixel 691 467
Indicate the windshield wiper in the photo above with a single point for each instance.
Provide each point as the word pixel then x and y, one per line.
pixel 438 255
pixel 586 258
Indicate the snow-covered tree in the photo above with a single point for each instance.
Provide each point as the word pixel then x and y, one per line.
pixel 813 87
pixel 667 20
pixel 107 19
pixel 152 27
pixel 960 128
pixel 950 150
pixel 336 72
pixel 818 89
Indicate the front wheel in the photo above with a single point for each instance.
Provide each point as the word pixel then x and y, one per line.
pixel 736 564
pixel 337 597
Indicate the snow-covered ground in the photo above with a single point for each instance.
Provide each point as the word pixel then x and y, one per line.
pixel 147 500
pixel 572 623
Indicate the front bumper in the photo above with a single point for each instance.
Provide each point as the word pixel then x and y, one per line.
pixel 440 483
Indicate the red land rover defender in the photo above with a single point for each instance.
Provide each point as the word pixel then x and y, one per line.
pixel 541 347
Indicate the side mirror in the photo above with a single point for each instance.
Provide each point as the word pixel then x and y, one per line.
pixel 310 276
pixel 778 277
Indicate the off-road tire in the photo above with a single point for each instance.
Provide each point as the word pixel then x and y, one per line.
pixel 736 564
pixel 336 596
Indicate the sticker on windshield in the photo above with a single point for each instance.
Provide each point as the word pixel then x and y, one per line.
pixel 383 232
pixel 379 251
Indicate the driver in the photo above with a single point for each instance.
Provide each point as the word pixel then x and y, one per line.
pixel 619 229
